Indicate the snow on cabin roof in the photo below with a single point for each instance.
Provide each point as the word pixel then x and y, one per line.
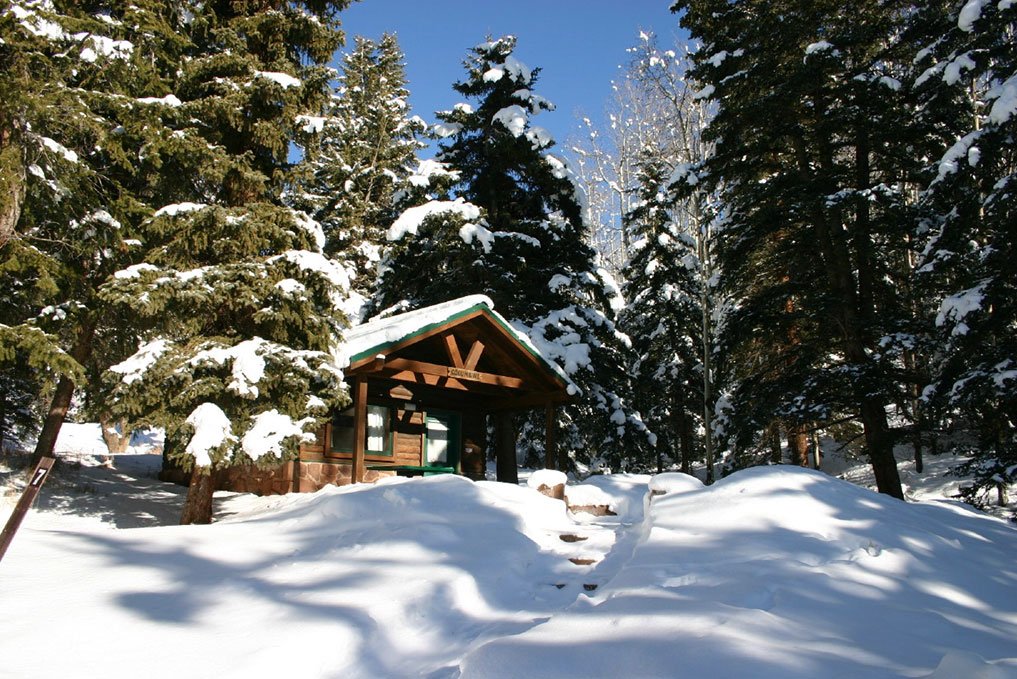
pixel 374 337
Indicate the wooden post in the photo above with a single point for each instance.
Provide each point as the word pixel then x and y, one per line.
pixel 474 459
pixel 39 477
pixel 550 442
pixel 505 448
pixel 359 428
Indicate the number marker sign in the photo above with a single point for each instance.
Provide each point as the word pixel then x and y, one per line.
pixel 39 477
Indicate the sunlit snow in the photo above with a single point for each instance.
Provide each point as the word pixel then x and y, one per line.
pixel 773 572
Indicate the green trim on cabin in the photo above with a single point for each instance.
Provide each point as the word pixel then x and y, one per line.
pixel 453 420
pixel 456 316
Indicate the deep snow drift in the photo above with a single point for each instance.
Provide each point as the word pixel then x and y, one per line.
pixel 772 572
pixel 784 572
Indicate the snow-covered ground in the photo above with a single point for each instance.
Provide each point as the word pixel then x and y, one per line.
pixel 771 572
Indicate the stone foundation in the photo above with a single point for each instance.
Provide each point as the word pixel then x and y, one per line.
pixel 594 510
pixel 311 476
pixel 556 492
pixel 316 475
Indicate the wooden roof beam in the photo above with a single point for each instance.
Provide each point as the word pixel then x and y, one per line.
pixel 474 356
pixel 460 374
pixel 453 350
pixel 430 380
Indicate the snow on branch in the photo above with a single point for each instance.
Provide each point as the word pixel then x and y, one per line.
pixel 178 209
pixel 268 432
pixel 470 231
pixel 248 364
pixel 956 308
pixel 969 14
pixel 513 118
pixel 212 429
pixel 284 80
pixel 135 367
pixel 315 262
pixel 409 221
pixel 1005 105
pixel 170 100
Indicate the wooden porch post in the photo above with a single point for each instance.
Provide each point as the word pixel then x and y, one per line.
pixel 550 440
pixel 505 448
pixel 359 428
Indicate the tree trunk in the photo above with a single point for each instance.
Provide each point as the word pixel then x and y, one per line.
pixel 817 451
pixel 685 441
pixel 836 258
pixel 114 435
pixel 917 375
pixel 3 426
pixel 798 445
pixel 916 443
pixel 12 181
pixel 776 454
pixel 705 257
pixel 61 401
pixel 505 449
pixel 917 418
pixel 879 445
pixel 198 504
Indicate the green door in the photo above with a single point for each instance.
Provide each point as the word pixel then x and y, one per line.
pixel 443 439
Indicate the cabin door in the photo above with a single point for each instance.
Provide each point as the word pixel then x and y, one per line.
pixel 443 438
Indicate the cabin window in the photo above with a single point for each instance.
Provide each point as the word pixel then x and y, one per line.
pixel 377 429
pixel 378 440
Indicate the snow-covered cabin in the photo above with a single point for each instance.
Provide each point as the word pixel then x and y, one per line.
pixel 424 385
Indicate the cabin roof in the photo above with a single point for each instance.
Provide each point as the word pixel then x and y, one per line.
pixel 379 336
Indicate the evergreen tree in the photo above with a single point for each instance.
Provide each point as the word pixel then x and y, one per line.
pixel 238 304
pixel 971 58
pixel 517 234
pixel 362 157
pixel 817 155
pixel 663 284
pixel 73 81
pixel 669 277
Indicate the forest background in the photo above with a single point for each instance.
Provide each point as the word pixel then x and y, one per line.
pixel 794 224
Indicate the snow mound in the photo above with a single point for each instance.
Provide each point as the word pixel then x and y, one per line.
pixel 621 493
pixel 858 585
pixel 546 477
pixel 957 664
pixel 771 572
pixel 396 579
pixel 672 483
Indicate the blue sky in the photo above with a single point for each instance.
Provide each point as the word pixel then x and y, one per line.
pixel 578 44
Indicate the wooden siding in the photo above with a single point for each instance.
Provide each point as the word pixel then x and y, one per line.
pixel 408 430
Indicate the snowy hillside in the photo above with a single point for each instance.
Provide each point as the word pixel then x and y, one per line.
pixel 772 572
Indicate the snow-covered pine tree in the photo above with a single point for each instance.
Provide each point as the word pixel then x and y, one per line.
pixel 72 81
pixel 971 255
pixel 239 306
pixel 529 251
pixel 663 286
pixel 361 157
pixel 815 149
pixel 668 276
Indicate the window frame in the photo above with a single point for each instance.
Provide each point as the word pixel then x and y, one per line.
pixel 389 450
